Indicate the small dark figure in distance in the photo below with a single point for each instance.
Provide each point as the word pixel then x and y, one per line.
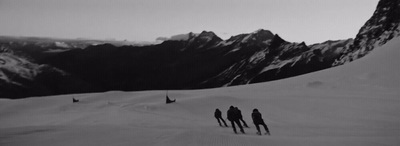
pixel 218 116
pixel 257 120
pixel 75 100
pixel 233 116
pixel 241 117
pixel 169 100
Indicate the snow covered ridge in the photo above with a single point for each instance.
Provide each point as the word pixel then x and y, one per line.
pixel 200 61
pixel 271 58
pixel 16 73
pixel 379 29
pixel 44 43
pixel 20 77
pixel 11 65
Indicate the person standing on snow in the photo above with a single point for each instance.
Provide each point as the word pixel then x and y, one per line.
pixel 233 116
pixel 241 117
pixel 257 120
pixel 218 116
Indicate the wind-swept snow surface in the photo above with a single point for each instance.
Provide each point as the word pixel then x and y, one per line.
pixel 354 104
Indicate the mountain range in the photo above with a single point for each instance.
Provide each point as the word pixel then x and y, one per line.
pixel 196 61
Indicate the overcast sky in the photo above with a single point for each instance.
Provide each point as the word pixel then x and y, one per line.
pixel 311 21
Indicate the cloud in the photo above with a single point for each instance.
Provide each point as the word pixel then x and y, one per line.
pixel 179 37
pixel 162 38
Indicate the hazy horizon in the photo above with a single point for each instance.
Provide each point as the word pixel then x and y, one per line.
pixel 311 21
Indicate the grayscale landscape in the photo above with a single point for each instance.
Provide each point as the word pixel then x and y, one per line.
pixel 63 91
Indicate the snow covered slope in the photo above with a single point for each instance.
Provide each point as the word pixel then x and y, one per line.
pixel 379 69
pixel 355 104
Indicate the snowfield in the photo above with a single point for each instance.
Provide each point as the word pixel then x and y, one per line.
pixel 356 104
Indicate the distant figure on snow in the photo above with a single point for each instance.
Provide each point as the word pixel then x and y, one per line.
pixel 218 116
pixel 75 100
pixel 233 116
pixel 169 100
pixel 241 117
pixel 257 120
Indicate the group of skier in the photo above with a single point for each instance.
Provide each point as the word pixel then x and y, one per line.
pixel 234 115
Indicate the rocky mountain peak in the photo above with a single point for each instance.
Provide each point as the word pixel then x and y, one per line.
pixel 207 36
pixel 207 33
pixel 263 32
pixel 303 44
pixel 202 40
pixel 258 36
pixel 276 41
pixel 379 29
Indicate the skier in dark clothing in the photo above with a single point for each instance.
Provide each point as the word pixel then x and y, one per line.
pixel 168 101
pixel 241 117
pixel 75 100
pixel 218 116
pixel 257 120
pixel 233 116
